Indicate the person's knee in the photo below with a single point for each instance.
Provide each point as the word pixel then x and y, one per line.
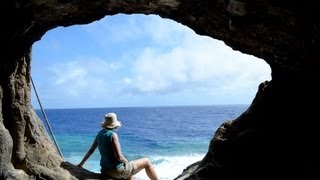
pixel 146 162
pixel 149 163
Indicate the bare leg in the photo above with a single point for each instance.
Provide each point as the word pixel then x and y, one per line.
pixel 145 163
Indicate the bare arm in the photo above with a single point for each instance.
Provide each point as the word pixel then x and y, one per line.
pixel 91 150
pixel 117 148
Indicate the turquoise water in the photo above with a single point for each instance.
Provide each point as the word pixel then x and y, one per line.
pixel 172 137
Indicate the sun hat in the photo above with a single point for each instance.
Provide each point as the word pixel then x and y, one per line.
pixel 110 121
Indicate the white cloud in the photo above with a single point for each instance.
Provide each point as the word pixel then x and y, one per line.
pixel 200 62
pixel 69 72
pixel 87 77
pixel 178 60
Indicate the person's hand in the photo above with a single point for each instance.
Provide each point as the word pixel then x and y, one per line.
pixel 79 165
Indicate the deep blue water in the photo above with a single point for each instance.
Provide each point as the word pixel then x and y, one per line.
pixel 172 137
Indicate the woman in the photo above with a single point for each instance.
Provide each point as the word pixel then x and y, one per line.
pixel 113 163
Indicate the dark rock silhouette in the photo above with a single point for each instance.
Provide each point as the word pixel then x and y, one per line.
pixel 276 137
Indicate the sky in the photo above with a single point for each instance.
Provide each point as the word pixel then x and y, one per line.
pixel 140 60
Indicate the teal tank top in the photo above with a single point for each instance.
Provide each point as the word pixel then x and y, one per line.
pixel 104 141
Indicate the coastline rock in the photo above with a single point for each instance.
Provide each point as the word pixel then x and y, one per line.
pixel 278 129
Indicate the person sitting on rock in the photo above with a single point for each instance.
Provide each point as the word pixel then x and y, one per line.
pixel 113 163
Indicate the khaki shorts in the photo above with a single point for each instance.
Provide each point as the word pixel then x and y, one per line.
pixel 122 172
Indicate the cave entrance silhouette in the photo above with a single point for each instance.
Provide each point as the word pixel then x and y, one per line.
pixel 149 62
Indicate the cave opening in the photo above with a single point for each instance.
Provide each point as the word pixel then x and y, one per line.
pixel 170 86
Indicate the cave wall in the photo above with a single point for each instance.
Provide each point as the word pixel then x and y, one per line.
pixel 277 131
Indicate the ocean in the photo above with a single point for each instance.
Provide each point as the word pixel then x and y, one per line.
pixel 172 137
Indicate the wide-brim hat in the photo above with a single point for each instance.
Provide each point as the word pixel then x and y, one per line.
pixel 110 121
